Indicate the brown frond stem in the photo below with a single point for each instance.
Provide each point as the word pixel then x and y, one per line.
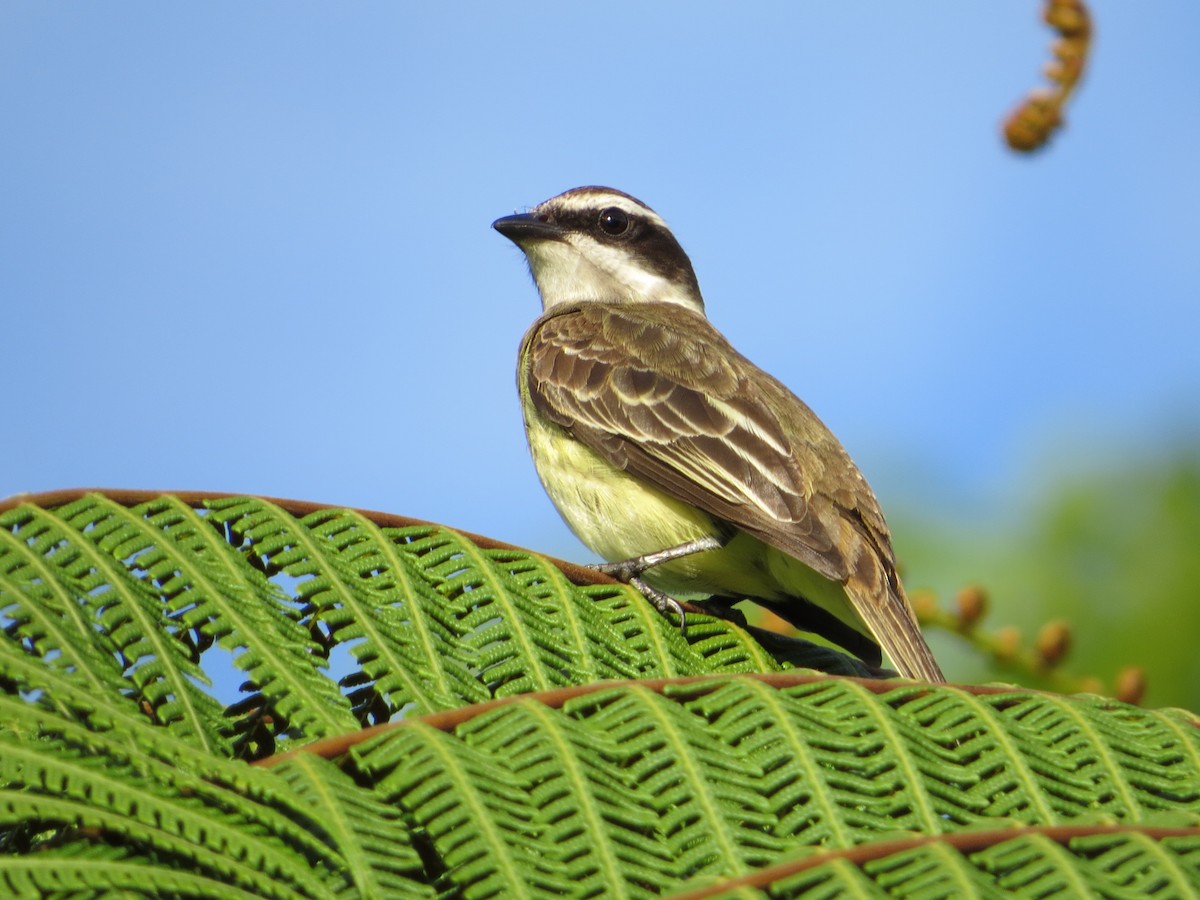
pixel 964 842
pixel 129 497
pixel 451 719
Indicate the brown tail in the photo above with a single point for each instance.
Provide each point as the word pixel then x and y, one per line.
pixel 884 606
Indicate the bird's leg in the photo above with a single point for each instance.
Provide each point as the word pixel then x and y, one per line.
pixel 626 570
pixel 629 571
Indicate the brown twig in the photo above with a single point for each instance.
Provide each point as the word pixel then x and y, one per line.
pixel 1041 660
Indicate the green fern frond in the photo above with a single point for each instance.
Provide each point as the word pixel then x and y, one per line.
pixel 357 582
pixel 372 842
pixel 577 780
pixel 132 599
pixel 821 765
pixel 1106 865
pixel 479 819
pixel 58 788
pixel 829 756
pixel 210 814
pixel 509 626
pixel 301 829
pixel 1037 757
pixel 93 870
pixel 527 778
pixel 1140 865
pixel 61 586
pixel 447 622
pixel 158 580
pixel 929 870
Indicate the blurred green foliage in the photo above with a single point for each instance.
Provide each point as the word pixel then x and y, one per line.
pixel 1112 548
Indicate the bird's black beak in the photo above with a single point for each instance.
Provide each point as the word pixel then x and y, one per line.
pixel 527 227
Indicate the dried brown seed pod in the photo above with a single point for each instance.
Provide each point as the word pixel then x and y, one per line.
pixel 1032 123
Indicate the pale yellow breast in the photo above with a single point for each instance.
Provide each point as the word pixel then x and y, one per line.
pixel 613 513
pixel 620 517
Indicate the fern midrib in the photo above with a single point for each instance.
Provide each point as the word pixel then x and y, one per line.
pixel 1189 743
pixel 956 866
pixel 314 554
pixel 572 623
pixel 357 869
pixel 651 627
pixel 580 788
pixel 166 649
pixel 282 665
pixel 64 643
pixel 763 661
pixel 34 676
pixel 912 779
pixel 1066 866
pixel 997 730
pixel 718 826
pixel 822 796
pixel 189 769
pixel 1114 772
pixel 427 641
pixel 499 593
pixel 480 819
pixel 134 876
pixel 1168 863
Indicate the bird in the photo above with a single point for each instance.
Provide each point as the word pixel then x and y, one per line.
pixel 686 467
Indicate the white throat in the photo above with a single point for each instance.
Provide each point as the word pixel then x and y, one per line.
pixel 578 269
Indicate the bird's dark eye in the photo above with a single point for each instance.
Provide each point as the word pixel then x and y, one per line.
pixel 613 221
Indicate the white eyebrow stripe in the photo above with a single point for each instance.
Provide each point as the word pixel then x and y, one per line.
pixel 592 199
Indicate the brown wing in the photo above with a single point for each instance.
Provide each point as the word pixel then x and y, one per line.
pixel 660 393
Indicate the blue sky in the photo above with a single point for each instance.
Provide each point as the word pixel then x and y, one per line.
pixel 246 247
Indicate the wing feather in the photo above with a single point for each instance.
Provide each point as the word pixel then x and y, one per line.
pixel 673 403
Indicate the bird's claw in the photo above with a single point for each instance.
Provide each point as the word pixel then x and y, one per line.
pixel 629 571
pixel 664 603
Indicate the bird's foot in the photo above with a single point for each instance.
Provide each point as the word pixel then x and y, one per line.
pixel 629 571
